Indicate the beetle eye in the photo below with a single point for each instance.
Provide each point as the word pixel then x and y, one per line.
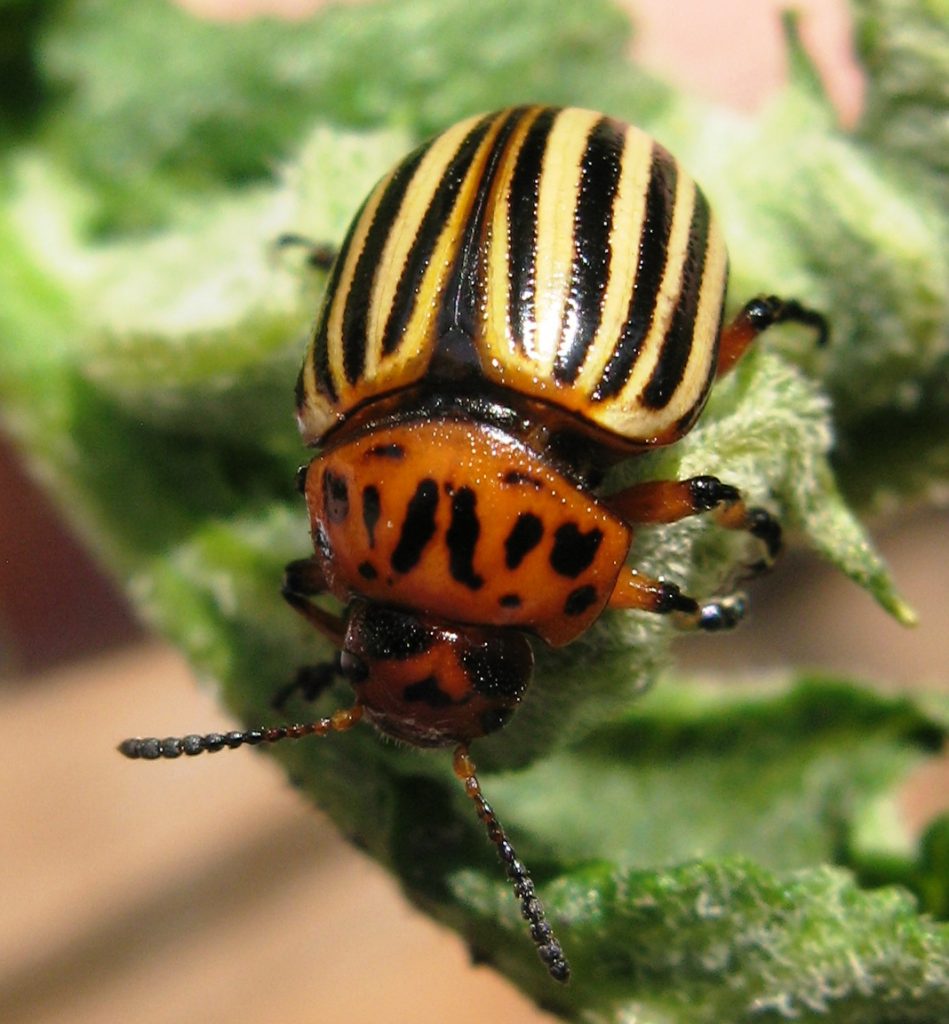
pixel 353 667
pixel 495 719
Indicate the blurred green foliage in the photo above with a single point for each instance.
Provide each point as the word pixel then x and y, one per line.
pixel 149 337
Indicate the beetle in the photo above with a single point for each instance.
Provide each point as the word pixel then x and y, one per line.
pixel 525 300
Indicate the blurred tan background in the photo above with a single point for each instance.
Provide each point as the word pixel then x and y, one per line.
pixel 201 889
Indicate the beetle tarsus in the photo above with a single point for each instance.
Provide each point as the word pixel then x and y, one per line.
pixel 713 616
pixel 768 310
pixel 760 524
pixel 763 526
pixel 757 316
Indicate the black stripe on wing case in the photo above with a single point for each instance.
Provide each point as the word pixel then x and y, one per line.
pixel 677 346
pixel 359 296
pixel 433 223
pixel 685 421
pixel 653 251
pixel 320 346
pixel 592 222
pixel 465 287
pixel 522 226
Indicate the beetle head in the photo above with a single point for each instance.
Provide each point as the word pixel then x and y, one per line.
pixel 431 683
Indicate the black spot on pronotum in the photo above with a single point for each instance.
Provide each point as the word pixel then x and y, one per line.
pixel 368 571
pixel 418 528
pixel 525 535
pixel 427 691
pixel 335 497
pixel 574 550
pixel 510 600
pixel 579 600
pixel 371 508
pixel 395 452
pixel 516 478
pixel 462 538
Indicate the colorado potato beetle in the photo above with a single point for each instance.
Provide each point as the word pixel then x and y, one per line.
pixel 528 298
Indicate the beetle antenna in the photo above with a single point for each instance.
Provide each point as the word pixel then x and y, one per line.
pixel 548 948
pixel 153 749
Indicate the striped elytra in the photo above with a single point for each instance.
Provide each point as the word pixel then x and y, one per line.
pixel 556 254
pixel 529 297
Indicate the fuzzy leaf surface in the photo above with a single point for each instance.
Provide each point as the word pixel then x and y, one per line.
pixel 682 841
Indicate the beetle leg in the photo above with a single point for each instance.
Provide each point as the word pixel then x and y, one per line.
pixel 302 580
pixel 319 255
pixel 757 316
pixel 643 593
pixel 311 682
pixel 668 501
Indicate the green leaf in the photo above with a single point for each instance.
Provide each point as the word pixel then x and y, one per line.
pixel 199 328
pixel 904 47
pixel 704 943
pixel 150 377
pixel 139 139
pixel 238 96
pixel 792 775
pixel 22 91
pixel 858 226
pixel 648 898
pixel 700 773
pixel 193 335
